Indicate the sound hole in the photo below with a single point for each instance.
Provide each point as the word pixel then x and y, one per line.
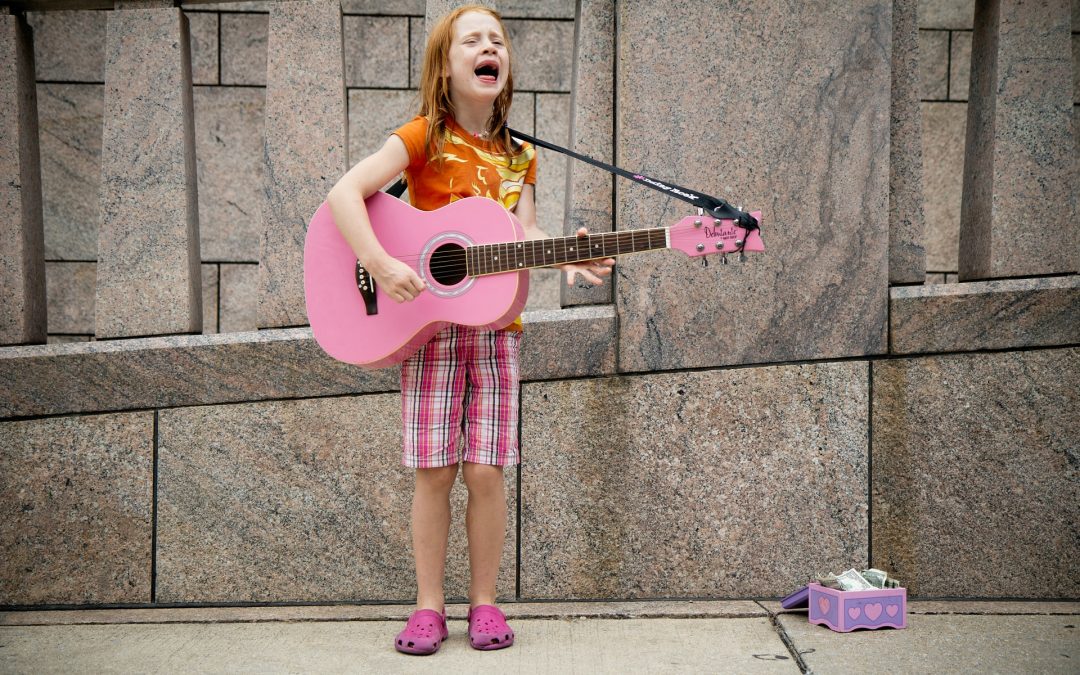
pixel 447 264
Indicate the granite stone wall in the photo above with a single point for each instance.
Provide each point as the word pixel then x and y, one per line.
pixel 687 431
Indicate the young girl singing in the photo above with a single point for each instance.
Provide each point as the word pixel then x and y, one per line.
pixel 465 378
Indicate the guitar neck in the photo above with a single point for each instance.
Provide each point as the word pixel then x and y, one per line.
pixel 532 253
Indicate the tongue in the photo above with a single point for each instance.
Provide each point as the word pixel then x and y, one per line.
pixel 490 79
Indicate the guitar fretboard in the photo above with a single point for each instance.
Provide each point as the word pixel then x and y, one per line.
pixel 520 255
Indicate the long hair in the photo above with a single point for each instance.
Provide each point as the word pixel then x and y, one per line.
pixel 435 102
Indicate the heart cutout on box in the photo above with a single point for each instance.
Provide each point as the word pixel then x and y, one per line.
pixel 873 611
pixel 823 604
pixel 854 612
pixel 891 610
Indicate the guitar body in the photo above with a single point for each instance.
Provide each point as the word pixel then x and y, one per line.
pixel 432 242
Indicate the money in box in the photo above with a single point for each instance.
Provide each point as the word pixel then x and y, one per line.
pixel 845 611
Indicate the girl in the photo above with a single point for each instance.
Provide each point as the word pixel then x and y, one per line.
pixel 456 147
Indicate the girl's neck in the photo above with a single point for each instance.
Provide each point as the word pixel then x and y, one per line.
pixel 473 118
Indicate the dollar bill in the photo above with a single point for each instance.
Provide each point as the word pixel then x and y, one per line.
pixel 829 581
pixel 851 580
pixel 875 577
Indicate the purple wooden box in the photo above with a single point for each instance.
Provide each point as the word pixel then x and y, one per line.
pixel 845 611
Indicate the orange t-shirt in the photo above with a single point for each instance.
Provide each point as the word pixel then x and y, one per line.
pixel 471 167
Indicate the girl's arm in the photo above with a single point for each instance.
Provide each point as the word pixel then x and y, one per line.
pixel 591 271
pixel 346 201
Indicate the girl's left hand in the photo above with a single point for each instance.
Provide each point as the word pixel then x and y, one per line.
pixel 590 270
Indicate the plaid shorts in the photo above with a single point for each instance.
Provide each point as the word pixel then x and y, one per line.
pixel 464 380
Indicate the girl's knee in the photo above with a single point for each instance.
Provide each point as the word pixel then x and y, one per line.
pixel 483 477
pixel 437 478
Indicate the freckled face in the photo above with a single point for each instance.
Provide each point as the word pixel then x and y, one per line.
pixel 479 62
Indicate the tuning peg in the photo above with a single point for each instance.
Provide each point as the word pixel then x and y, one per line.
pixel 723 257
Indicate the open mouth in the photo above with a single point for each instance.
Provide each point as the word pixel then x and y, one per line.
pixel 487 72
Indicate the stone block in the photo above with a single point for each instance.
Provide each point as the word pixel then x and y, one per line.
pixel 262 6
pixel 693 484
pixel 974 488
pixel 210 295
pixel 553 125
pixel 933 64
pixel 1076 66
pixel 296 501
pixel 942 14
pixel 77 501
pixel 22 242
pixel 69 46
pixel 943 165
pixel 907 253
pixel 1018 213
pixel 417 40
pixel 148 243
pixel 239 298
pixel 373 115
pixel 576 342
pixel 387 7
pixel 71 124
pixel 70 291
pixel 184 370
pixel 960 66
pixel 305 146
pixel 530 9
pixel 544 288
pixel 229 148
pixel 795 123
pixel 243 48
pixel 542 54
pixel 592 130
pixel 376 51
pixel 204 47
pixel 1005 314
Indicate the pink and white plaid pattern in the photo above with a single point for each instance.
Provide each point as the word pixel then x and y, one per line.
pixel 462 378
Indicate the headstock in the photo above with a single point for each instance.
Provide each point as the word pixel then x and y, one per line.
pixel 703 235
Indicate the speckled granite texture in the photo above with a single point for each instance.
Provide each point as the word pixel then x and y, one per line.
pixel 296 500
pixel 229 144
pixel 148 277
pixel 1005 314
pixel 76 504
pixel 22 245
pixel 1018 128
pixel 703 484
pixel 70 118
pixel 785 109
pixel 943 155
pixel 588 189
pixel 975 492
pixel 907 257
pixel 206 369
pixel 69 46
pixel 306 128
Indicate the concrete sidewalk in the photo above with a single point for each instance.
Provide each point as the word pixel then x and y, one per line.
pixel 632 637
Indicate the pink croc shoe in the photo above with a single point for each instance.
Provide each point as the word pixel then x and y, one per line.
pixel 488 629
pixel 423 634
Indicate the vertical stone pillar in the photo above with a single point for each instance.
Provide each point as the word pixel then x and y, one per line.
pixel 1018 209
pixel 907 256
pixel 592 133
pixel 148 276
pixel 306 141
pixel 22 245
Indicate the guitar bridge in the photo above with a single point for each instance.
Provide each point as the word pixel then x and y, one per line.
pixel 365 283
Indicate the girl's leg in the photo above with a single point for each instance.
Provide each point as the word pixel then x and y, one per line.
pixel 485 524
pixel 430 531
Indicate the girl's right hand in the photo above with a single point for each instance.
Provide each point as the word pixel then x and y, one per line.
pixel 399 281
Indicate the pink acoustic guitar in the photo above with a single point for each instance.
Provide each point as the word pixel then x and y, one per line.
pixel 472 256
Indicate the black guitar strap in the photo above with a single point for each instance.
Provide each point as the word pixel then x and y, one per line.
pixel 714 206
